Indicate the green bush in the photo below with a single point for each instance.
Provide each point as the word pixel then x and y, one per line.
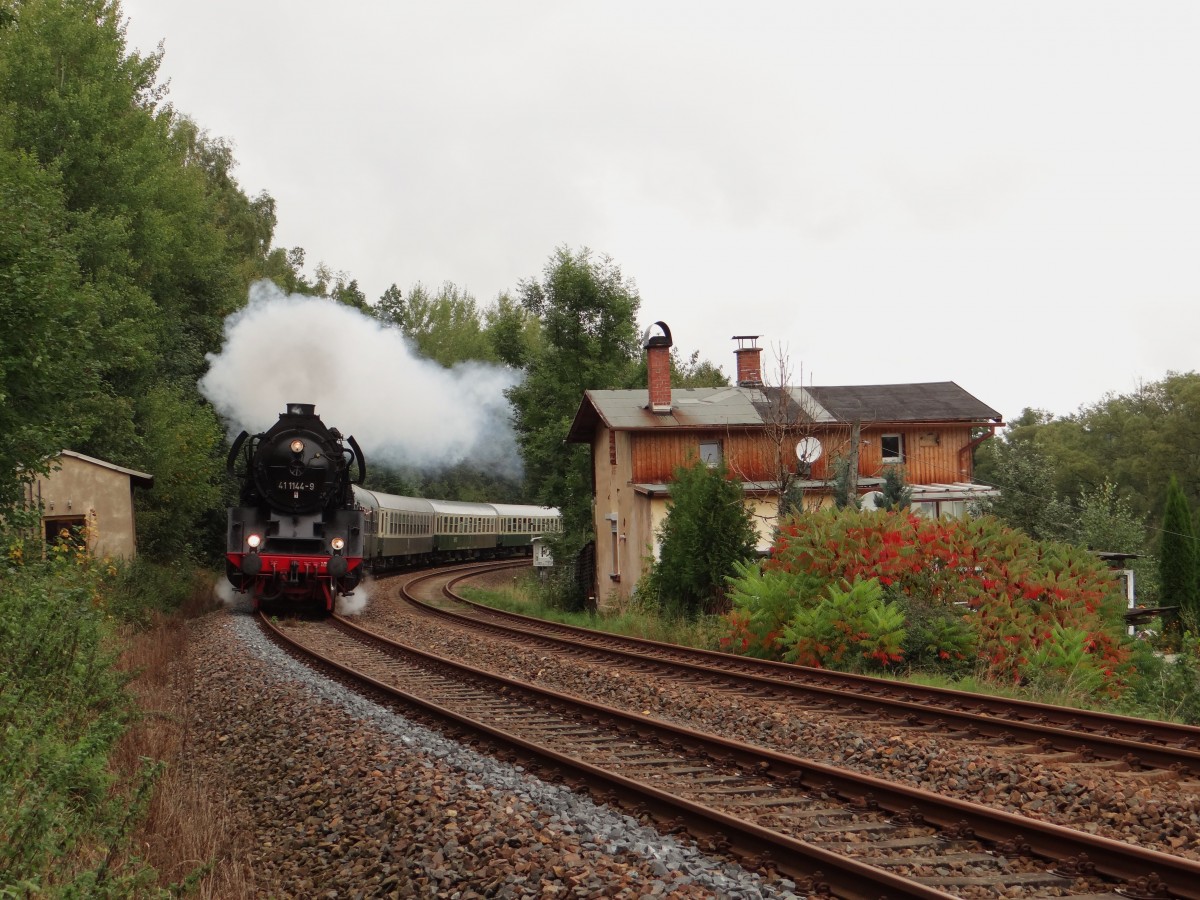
pixel 144 587
pixel 854 629
pixel 1167 687
pixel 1065 665
pixel 764 602
pixel 938 637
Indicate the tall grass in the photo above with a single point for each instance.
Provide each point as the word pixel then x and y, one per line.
pixel 96 799
pixel 188 833
pixel 528 596
pixel 63 708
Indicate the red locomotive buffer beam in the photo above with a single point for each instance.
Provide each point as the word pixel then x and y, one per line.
pixel 294 578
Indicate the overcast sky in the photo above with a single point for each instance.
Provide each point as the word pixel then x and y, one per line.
pixel 1005 195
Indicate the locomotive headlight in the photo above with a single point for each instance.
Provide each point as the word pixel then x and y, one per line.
pixel 253 541
pixel 297 446
pixel 337 543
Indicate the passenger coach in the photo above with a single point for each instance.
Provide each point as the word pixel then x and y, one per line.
pixel 407 531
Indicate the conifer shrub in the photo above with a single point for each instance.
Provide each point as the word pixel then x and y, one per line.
pixel 1177 562
pixel 707 531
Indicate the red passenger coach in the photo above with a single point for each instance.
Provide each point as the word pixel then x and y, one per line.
pixel 296 540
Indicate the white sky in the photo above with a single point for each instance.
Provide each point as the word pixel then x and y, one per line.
pixel 1005 195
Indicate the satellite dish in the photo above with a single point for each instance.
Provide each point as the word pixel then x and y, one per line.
pixel 870 501
pixel 808 450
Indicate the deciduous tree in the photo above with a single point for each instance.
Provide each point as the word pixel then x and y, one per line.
pixel 44 351
pixel 1028 498
pixel 588 313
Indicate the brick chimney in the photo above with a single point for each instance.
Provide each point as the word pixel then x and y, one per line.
pixel 658 367
pixel 749 366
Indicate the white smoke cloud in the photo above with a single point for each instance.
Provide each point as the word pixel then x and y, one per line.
pixel 365 379
pixel 356 603
pixel 225 593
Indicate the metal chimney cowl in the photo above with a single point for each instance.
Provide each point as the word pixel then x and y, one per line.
pixel 658 367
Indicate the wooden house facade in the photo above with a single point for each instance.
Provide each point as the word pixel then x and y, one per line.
pixel 767 436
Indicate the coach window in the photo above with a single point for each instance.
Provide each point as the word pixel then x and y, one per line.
pixel 892 447
pixel 710 453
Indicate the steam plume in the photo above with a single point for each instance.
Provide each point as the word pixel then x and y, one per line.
pixel 365 379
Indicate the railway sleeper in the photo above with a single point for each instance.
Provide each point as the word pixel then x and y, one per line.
pixel 852 828
pixel 820 813
pixel 733 787
pixel 1036 879
pixel 967 858
pixel 650 762
pixel 905 843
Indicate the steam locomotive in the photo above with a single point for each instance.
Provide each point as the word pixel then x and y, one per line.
pixel 307 532
pixel 297 538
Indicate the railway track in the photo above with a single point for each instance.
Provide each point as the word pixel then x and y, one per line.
pixel 1072 734
pixel 855 835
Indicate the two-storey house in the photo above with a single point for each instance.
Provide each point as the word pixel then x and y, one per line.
pixel 769 437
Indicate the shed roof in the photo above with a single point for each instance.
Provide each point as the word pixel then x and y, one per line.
pixel 750 407
pixel 141 479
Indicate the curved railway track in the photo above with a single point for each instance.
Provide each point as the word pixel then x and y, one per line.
pixel 1084 735
pixel 856 835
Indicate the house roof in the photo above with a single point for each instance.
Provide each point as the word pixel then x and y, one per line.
pixel 937 401
pixel 748 407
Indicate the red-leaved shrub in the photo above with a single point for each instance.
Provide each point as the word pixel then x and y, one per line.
pixel 1013 592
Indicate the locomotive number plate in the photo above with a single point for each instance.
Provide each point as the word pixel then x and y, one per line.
pixel 297 486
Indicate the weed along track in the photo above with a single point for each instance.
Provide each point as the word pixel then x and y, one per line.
pixel 835 830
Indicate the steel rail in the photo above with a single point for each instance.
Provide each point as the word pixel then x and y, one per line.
pixel 851 879
pixel 1115 859
pixel 1106 735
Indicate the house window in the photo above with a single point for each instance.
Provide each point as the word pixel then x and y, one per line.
pixel 615 570
pixel 710 453
pixel 892 446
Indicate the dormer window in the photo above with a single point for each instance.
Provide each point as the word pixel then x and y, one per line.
pixel 710 453
pixel 892 448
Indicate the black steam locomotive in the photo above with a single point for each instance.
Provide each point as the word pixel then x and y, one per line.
pixel 296 540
